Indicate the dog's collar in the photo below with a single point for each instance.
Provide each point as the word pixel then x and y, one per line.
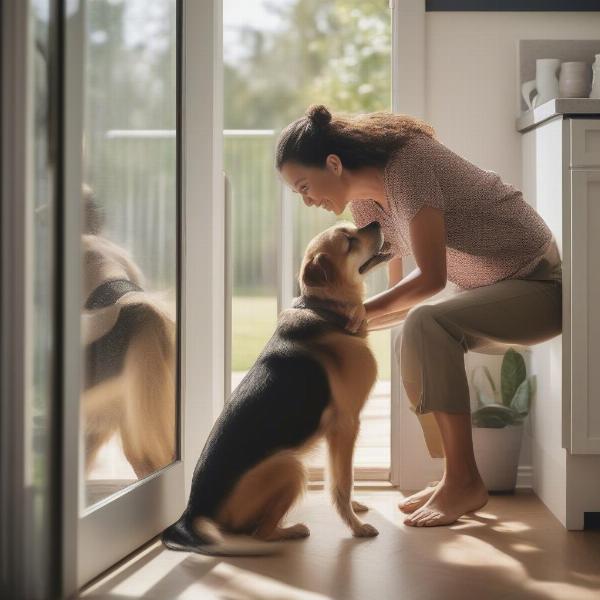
pixel 109 292
pixel 326 309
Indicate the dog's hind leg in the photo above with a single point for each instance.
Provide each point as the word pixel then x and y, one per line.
pixel 262 498
pixel 101 407
pixel 341 438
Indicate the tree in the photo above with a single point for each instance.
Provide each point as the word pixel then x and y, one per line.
pixel 335 52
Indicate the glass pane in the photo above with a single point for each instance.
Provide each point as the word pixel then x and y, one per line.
pixel 129 243
pixel 253 197
pixel 278 59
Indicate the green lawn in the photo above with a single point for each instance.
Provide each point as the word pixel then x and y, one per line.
pixel 253 323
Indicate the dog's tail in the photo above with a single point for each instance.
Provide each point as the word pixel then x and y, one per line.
pixel 202 536
pixel 148 423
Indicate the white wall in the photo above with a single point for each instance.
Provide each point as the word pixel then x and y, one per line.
pixel 471 78
pixel 472 92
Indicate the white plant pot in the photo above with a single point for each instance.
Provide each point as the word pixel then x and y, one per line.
pixel 497 452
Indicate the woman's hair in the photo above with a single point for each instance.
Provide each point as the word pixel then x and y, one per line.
pixel 363 140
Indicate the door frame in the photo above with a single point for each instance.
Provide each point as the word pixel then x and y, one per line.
pixel 20 552
pixel 411 465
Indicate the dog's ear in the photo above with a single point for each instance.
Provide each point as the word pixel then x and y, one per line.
pixel 319 272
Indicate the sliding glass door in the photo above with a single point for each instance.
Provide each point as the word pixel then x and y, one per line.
pixel 121 286
pixel 109 244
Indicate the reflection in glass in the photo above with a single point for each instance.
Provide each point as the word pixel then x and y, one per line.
pixel 129 243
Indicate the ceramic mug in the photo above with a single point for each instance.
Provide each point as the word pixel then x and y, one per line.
pixel 595 93
pixel 575 80
pixel 545 82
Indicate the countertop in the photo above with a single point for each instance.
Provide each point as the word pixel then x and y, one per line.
pixel 558 106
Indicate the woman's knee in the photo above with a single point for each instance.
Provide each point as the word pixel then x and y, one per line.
pixel 417 333
pixel 416 320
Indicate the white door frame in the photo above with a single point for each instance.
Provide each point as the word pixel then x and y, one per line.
pixel 411 465
pixel 204 275
pixel 20 554
pixel 131 518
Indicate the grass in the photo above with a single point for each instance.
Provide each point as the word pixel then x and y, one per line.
pixel 253 322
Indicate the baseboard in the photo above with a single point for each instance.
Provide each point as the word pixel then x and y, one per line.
pixel 316 482
pixel 525 476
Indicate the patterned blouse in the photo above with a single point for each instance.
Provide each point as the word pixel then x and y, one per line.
pixel 492 233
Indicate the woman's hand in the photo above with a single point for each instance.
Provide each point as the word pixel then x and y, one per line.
pixel 356 319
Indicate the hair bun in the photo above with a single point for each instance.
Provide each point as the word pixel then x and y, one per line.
pixel 319 115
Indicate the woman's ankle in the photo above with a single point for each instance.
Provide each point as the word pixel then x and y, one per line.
pixel 461 479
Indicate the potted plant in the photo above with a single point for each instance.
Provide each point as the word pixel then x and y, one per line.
pixel 498 420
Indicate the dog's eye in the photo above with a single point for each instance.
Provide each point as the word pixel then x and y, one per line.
pixel 352 242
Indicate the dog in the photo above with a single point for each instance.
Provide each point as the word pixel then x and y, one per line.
pixel 310 382
pixel 129 354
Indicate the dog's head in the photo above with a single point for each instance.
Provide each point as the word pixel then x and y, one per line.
pixel 337 260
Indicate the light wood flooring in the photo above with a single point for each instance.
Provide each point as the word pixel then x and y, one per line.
pixel 513 548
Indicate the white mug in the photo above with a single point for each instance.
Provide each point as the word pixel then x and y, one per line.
pixel 545 82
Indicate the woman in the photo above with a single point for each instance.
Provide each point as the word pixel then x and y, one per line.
pixel 462 224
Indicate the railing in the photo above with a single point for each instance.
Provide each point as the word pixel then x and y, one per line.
pixel 134 181
pixel 256 189
pixel 255 194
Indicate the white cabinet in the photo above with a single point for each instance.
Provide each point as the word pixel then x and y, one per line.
pixel 561 179
pixel 585 305
pixel 585 143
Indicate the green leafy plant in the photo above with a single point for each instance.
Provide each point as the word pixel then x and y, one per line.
pixel 510 405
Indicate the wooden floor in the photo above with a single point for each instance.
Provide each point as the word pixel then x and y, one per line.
pixel 513 548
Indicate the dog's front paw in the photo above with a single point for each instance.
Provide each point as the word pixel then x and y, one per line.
pixel 358 507
pixel 365 530
pixel 297 531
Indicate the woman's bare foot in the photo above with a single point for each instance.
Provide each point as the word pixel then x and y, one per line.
pixel 448 502
pixel 414 501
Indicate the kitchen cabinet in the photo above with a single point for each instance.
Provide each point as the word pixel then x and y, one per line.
pixel 561 179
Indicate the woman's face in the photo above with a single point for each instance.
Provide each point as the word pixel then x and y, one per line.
pixel 321 187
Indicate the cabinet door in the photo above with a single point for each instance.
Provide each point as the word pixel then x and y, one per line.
pixel 585 318
pixel 585 143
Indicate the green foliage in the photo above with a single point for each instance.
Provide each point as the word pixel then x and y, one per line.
pixel 512 374
pixel 334 52
pixel 516 392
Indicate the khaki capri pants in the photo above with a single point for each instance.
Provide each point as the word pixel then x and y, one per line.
pixel 436 336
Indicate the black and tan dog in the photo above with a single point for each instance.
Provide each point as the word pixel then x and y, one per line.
pixel 311 381
pixel 129 342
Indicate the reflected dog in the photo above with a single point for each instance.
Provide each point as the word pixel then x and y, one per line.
pixel 310 382
pixel 129 355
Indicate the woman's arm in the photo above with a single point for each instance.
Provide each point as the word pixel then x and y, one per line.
pixel 395 272
pixel 387 321
pixel 428 240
